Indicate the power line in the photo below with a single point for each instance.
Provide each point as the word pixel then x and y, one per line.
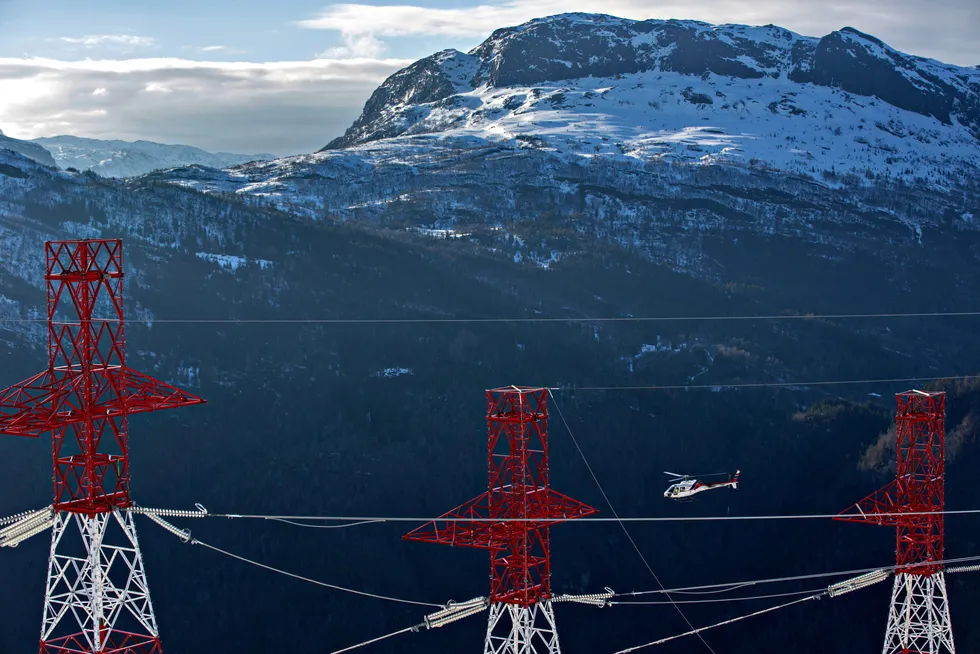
pixel 621 523
pixel 873 575
pixel 374 640
pixel 361 321
pixel 700 629
pixel 724 588
pixel 834 590
pixel 763 384
pixel 360 520
pixel 343 526
pixel 716 600
pixel 195 541
pixel 683 590
pixel 688 590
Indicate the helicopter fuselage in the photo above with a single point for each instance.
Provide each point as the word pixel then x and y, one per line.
pixel 689 487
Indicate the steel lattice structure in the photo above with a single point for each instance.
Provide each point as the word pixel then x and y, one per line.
pixel 519 493
pixel 918 621
pixel 96 599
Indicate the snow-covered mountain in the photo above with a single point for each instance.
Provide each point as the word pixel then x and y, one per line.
pixel 670 138
pixel 27 148
pixel 594 90
pixel 116 158
pixel 689 91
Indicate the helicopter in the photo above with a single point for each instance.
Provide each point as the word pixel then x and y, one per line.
pixel 685 486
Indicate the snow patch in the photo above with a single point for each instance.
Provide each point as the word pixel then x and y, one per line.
pixel 437 233
pixel 393 372
pixel 232 262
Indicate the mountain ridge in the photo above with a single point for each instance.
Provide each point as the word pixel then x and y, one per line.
pixel 683 70
pixel 519 56
pixel 27 148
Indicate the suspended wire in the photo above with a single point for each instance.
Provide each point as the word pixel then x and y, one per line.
pixel 343 526
pixel 681 590
pixel 716 600
pixel 621 523
pixel 743 617
pixel 360 520
pixel 194 541
pixel 374 640
pixel 692 387
pixel 727 589
pixel 724 588
pixel 362 321
pixel 750 615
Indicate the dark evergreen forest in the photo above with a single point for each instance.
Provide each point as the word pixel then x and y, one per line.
pixel 302 420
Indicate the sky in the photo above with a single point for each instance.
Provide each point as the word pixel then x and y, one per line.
pixel 252 76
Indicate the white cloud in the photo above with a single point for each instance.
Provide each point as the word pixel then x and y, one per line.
pixel 943 29
pixel 154 87
pixel 215 49
pixel 280 107
pixel 92 40
pixel 355 45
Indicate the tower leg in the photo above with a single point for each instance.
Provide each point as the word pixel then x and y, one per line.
pixel 96 599
pixel 514 629
pixel 918 622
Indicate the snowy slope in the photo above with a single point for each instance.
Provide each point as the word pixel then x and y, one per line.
pixel 715 119
pixel 590 85
pixel 130 158
pixel 27 148
pixel 664 137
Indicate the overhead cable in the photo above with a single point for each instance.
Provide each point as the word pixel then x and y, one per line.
pixel 729 587
pixel 362 520
pixel 834 590
pixel 621 523
pixel 185 536
pixel 786 384
pixel 525 319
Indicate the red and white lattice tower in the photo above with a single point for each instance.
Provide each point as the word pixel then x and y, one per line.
pixel 522 620
pixel 97 600
pixel 918 622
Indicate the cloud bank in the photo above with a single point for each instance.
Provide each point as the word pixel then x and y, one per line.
pixel 280 107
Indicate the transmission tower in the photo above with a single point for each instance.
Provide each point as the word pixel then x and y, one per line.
pixel 96 599
pixel 918 621
pixel 522 620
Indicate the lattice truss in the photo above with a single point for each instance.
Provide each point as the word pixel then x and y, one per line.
pixel 515 629
pixel 520 495
pixel 918 620
pixel 100 586
pixel 97 598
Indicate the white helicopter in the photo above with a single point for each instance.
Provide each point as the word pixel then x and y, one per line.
pixel 687 485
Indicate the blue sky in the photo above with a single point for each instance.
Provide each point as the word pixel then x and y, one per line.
pixel 285 77
pixel 255 30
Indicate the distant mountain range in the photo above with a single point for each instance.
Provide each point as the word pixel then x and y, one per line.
pixel 130 158
pixel 115 158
